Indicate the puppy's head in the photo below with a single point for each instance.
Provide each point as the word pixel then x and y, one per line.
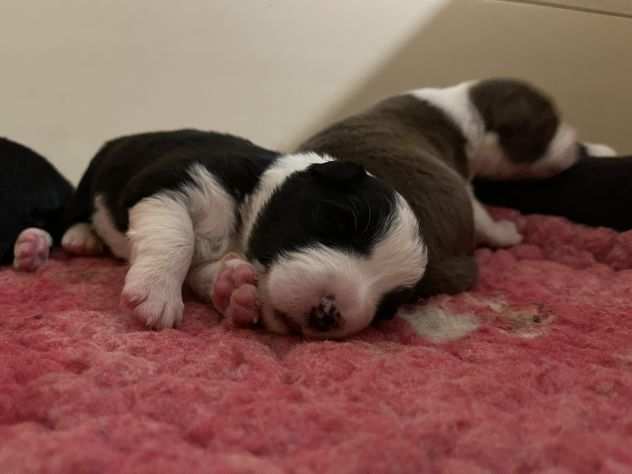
pixel 336 248
pixel 524 136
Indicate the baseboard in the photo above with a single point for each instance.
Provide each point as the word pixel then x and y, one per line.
pixel 622 8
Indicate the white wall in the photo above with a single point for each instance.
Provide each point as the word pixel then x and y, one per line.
pixel 76 72
pixel 583 59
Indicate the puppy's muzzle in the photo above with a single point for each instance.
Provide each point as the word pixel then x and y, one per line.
pixel 325 317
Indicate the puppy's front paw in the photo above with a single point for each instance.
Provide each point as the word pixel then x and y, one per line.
pixel 502 234
pixel 158 305
pixel 234 292
pixel 80 239
pixel 31 249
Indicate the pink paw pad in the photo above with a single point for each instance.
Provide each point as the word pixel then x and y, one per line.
pixel 31 249
pixel 80 239
pixel 235 292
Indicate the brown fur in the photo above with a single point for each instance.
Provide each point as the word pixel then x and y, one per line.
pixel 407 143
pixel 524 117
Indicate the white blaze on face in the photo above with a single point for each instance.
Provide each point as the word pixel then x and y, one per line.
pixel 302 280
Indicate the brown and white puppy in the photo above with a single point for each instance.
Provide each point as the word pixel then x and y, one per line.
pixel 429 143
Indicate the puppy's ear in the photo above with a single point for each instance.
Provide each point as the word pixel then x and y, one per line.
pixel 338 173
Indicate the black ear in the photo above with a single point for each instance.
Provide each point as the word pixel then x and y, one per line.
pixel 338 173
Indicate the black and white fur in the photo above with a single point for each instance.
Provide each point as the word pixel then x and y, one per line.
pixel 333 247
pixel 32 199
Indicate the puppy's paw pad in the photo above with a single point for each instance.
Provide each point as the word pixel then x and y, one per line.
pixel 80 239
pixel 243 308
pixel 234 274
pixel 31 249
pixel 157 307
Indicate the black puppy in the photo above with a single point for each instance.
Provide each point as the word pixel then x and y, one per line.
pixel 595 191
pixel 32 198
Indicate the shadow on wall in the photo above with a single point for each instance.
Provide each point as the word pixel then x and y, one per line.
pixel 582 59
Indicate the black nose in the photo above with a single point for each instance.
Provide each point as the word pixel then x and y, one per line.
pixel 325 316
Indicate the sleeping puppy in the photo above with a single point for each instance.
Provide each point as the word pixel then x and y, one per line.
pixel 32 199
pixel 312 245
pixel 429 143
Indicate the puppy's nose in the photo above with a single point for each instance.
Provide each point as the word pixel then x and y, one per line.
pixel 325 316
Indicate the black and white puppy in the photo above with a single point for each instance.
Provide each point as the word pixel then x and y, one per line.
pixel 429 143
pixel 32 199
pixel 313 245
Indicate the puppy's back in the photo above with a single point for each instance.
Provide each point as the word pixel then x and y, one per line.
pixel 130 168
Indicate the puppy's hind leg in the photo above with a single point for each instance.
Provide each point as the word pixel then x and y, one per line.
pixel 80 239
pixel 449 276
pixel 490 232
pixel 31 249
pixel 162 243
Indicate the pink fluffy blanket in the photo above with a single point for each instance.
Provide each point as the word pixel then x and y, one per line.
pixel 531 372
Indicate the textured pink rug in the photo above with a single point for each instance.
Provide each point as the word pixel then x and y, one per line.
pixel 532 372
